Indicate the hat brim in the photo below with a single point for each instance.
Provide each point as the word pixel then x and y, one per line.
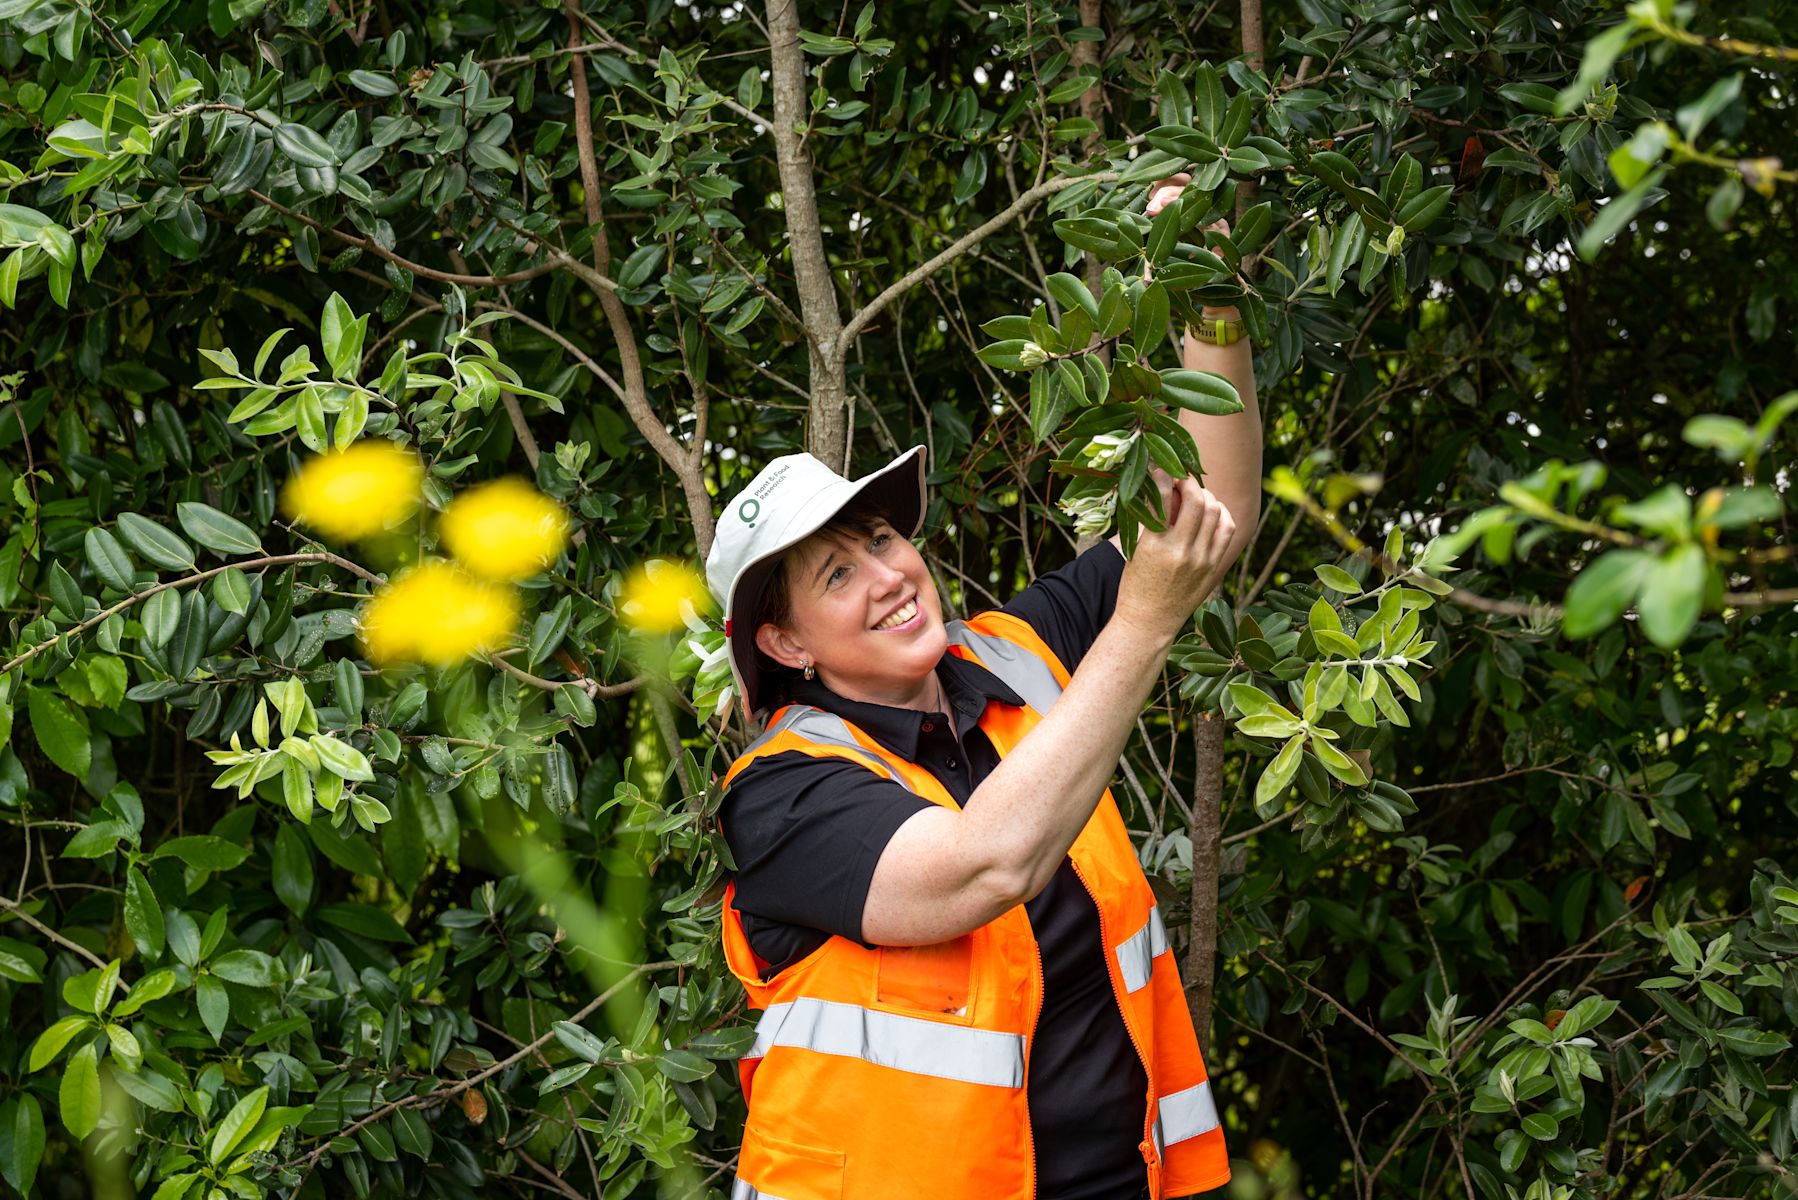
pixel 899 490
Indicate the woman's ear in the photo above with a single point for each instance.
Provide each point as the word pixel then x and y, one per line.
pixel 779 645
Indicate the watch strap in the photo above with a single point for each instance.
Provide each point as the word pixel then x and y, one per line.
pixel 1218 331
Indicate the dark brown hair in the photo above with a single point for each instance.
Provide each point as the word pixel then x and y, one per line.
pixel 862 516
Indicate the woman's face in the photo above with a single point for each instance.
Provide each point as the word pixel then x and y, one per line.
pixel 864 610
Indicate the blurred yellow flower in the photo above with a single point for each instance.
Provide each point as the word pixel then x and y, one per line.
pixel 437 614
pixel 355 492
pixel 661 596
pixel 506 529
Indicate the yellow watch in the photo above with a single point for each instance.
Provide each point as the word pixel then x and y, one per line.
pixel 1219 331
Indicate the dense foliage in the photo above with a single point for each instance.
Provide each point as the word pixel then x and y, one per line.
pixel 1489 891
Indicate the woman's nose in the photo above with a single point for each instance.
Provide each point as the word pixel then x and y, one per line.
pixel 885 576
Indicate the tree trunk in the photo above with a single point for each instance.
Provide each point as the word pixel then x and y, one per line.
pixel 1207 834
pixel 1253 53
pixel 827 435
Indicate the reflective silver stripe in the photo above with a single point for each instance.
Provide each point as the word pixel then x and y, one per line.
pixel 747 1191
pixel 1020 670
pixel 1136 954
pixel 911 1044
pixel 1184 1115
pixel 826 729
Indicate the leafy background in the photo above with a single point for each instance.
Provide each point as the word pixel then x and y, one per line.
pixel 1470 798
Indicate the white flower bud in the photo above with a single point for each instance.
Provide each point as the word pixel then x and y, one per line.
pixel 1395 241
pixel 1091 514
pixel 1033 355
pixel 1106 452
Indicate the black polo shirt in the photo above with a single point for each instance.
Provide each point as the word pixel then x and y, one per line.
pixel 807 832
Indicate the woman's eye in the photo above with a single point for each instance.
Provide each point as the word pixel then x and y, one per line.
pixel 880 541
pixel 837 576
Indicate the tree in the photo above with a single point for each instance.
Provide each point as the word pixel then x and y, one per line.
pixel 1500 846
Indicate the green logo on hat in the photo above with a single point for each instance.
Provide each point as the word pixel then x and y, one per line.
pixel 749 510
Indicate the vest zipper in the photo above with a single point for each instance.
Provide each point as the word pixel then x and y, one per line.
pixel 1151 1156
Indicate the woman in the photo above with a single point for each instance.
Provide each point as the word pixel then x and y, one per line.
pixel 967 993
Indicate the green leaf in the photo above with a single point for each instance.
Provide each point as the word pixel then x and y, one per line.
pixel 216 531
pixel 79 1095
pixel 1616 215
pixel 304 146
pixel 153 986
pixel 214 1003
pixel 203 851
pixel 342 759
pixel 1601 592
pixel 1200 392
pixel 161 617
pixel 239 1121
pixel 293 875
pixel 684 1066
pixel 1278 777
pixel 20 962
pixel 155 543
pixel 23 1119
pixel 54 1039
pixel 1337 763
pixel 1672 594
pixel 1541 1126
pixel 252 968
pixel 1695 116
pixel 1148 328
pixel 108 559
pixel 61 731
pixel 143 915
pixel 1338 580
pixel 365 920
pixel 1070 291
pixel 231 591
pixel 1756 1043
pixel 374 84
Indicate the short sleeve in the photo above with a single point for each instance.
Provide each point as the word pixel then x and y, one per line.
pixel 1070 605
pixel 806 834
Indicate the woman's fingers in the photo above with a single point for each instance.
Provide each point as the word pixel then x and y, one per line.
pixel 1165 192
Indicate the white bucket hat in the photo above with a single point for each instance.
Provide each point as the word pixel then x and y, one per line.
pixel 794 496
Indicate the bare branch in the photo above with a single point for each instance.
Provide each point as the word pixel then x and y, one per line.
pixel 958 248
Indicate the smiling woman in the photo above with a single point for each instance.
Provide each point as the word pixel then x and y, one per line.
pixel 936 904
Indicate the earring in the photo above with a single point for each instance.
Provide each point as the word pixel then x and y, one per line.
pixel 805 667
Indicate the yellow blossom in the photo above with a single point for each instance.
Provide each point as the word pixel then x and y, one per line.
pixel 437 614
pixel 356 492
pixel 506 529
pixel 660 595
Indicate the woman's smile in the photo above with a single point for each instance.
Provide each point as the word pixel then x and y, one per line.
pixel 904 619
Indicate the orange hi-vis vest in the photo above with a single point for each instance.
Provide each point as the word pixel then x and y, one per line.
pixel 900 1071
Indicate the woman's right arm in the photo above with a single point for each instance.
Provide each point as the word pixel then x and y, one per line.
pixel 945 873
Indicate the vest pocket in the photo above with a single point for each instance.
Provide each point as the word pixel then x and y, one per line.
pixel 770 1167
pixel 935 979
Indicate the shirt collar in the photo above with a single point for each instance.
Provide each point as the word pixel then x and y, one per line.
pixel 968 684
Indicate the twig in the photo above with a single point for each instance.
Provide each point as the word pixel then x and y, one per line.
pixel 450 1091
pixel 270 560
pixel 958 248
pixel 593 688
pixel 50 933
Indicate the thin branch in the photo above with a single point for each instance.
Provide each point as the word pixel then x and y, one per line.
pixel 18 911
pixel 635 394
pixel 270 560
pixel 593 688
pixel 956 249
pixel 450 1091
pixel 416 268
